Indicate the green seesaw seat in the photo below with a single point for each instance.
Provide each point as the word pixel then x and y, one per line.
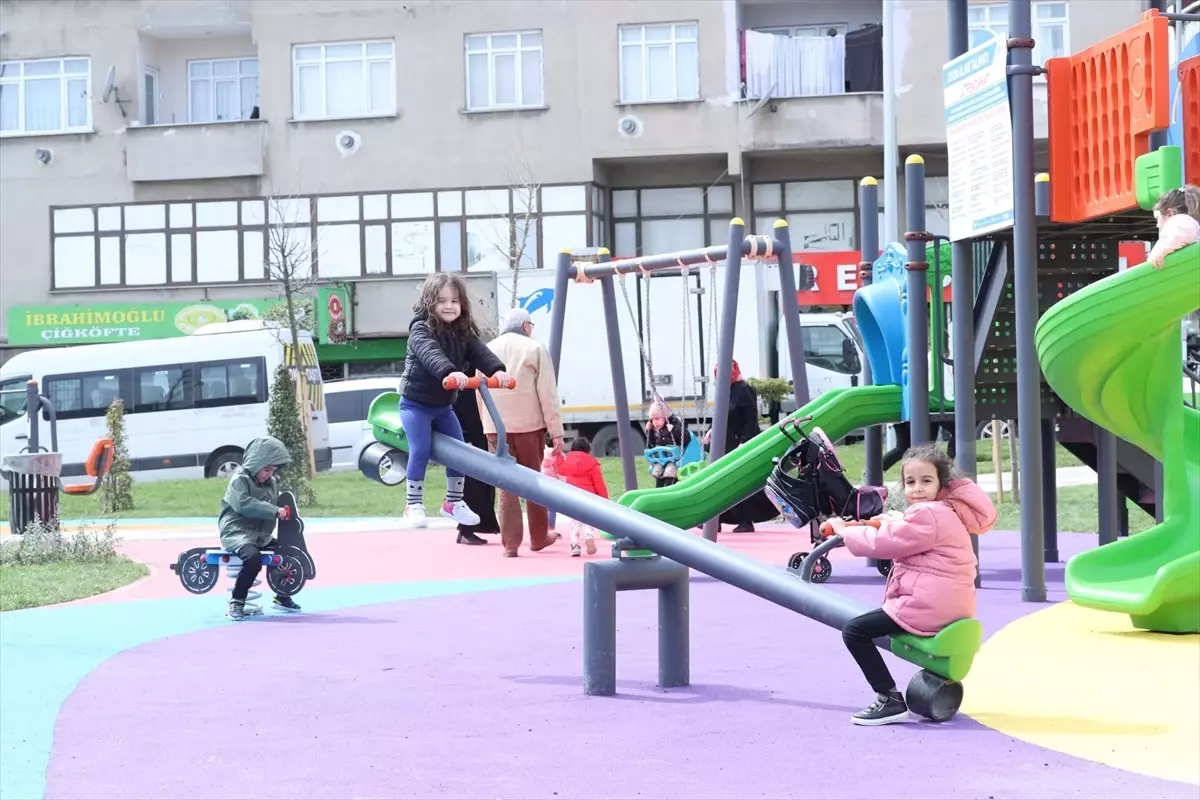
pixel 384 419
pixel 949 653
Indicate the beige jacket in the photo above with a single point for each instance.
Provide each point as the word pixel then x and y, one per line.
pixel 534 404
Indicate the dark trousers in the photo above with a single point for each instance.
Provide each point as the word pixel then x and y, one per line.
pixel 251 556
pixel 859 634
pixel 527 448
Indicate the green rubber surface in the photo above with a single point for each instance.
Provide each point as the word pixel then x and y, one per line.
pixel 1112 352
pixel 734 477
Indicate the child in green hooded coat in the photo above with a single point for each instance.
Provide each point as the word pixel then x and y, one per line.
pixel 248 513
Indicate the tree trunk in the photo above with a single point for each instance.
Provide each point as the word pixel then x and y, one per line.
pixel 302 401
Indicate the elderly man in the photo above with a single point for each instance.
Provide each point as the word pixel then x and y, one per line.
pixel 529 412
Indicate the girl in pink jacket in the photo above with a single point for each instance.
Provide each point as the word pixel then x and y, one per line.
pixel 932 582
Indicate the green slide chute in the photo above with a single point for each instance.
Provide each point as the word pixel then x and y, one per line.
pixel 1112 352
pixel 737 475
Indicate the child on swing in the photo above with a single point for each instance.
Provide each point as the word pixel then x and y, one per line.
pixel 442 340
pixel 664 429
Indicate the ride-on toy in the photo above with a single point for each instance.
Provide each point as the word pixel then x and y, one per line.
pixel 289 565
pixel 809 484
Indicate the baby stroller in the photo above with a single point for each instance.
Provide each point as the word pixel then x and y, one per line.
pixel 809 484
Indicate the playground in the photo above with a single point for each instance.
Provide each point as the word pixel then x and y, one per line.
pixel 681 662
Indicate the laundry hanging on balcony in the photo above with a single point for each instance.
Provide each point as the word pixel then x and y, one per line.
pixel 797 66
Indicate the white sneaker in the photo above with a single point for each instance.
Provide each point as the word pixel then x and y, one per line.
pixel 416 516
pixel 590 543
pixel 460 512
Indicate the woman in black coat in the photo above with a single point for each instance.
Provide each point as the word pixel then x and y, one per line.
pixel 741 427
pixel 481 497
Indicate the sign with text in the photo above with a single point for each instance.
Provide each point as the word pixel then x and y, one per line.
pixel 979 141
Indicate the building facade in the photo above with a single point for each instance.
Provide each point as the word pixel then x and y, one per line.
pixel 177 151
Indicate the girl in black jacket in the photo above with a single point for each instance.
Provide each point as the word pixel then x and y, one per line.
pixel 442 341
pixel 664 429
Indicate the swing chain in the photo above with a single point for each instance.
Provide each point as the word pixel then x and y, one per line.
pixel 643 340
pixel 702 403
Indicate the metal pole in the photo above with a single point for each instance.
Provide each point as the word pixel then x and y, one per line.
pixel 962 298
pixel 1025 291
pixel 720 424
pixel 891 148
pixel 753 246
pixel 1107 494
pixel 917 273
pixel 791 314
pixel 32 408
pixel 1050 496
pixel 868 237
pixel 558 307
pixel 616 364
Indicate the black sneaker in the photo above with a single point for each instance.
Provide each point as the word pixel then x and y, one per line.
pixel 237 610
pixel 887 709
pixel 470 538
pixel 285 603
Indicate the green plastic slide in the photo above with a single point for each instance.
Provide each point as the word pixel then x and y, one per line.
pixel 737 475
pixel 1112 352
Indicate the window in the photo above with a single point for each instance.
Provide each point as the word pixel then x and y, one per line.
pixel 46 96
pixel 354 79
pixel 87 394
pixel 162 389
pixel 808 31
pixel 230 383
pixel 12 400
pixel 222 90
pixel 829 347
pixel 504 70
pixel 1049 27
pixel 660 62
pixel 345 406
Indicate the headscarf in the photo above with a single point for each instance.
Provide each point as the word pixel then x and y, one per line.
pixel 735 373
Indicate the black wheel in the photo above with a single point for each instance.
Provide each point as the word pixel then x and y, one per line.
pixel 222 463
pixel 289 577
pixel 821 570
pixel 196 575
pixel 933 697
pixel 884 567
pixel 796 560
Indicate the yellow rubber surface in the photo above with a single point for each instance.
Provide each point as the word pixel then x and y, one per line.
pixel 1087 683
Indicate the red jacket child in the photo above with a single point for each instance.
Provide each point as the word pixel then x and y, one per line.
pixel 581 469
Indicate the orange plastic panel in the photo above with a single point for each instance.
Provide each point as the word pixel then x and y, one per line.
pixel 99 460
pixel 1189 93
pixel 78 488
pixel 1103 103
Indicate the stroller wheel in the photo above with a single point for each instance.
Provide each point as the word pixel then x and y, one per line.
pixel 796 560
pixel 821 571
pixel 884 567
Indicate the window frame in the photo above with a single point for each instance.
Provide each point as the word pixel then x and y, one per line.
pixel 185 382
pixel 674 42
pixel 124 377
pixel 791 31
pixel 323 63
pixel 260 396
pixel 491 53
pixel 64 108
pixel 1037 27
pixel 211 80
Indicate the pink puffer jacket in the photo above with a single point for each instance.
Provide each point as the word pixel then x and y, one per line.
pixel 932 582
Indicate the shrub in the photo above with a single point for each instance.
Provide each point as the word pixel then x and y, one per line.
pixel 283 422
pixel 45 543
pixel 116 491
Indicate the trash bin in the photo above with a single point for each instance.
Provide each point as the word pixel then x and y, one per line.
pixel 32 488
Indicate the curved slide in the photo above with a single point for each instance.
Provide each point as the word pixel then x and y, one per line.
pixel 1112 352
pixel 737 475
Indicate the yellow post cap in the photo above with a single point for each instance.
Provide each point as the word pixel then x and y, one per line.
pixel 868 181
pixel 1042 177
pixel 737 221
pixel 603 251
pixel 565 251
pixel 914 159
pixel 780 223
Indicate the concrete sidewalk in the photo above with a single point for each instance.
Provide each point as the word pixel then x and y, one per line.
pixel 1063 476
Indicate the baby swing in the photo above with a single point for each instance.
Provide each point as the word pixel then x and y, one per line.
pixel 691 452
pixel 809 483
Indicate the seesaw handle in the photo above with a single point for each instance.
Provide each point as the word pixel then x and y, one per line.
pixel 827 529
pixel 474 383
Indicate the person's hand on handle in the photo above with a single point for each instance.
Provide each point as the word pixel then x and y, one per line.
pixel 459 378
pixel 557 445
pixel 284 513
pixel 503 380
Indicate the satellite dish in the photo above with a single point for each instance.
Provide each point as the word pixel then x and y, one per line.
pixel 110 84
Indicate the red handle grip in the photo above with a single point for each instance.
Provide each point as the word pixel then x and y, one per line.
pixel 286 513
pixel 827 529
pixel 473 383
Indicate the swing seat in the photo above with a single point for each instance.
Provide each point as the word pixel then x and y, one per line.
pixel 690 453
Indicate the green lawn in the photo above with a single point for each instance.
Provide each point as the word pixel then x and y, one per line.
pixel 30 585
pixel 348 494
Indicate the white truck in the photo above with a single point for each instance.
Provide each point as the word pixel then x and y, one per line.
pixel 680 341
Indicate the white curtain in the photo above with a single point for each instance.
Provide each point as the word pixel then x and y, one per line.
pixel 801 66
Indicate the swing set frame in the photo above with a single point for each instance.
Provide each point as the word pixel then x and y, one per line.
pixel 603 270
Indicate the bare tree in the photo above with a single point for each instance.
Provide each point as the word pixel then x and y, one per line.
pixel 514 241
pixel 291 252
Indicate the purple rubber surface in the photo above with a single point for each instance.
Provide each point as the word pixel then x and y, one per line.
pixel 479 696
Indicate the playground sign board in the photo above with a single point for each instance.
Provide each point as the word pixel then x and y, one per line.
pixel 979 141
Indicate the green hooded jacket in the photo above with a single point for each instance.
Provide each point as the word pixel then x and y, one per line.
pixel 248 508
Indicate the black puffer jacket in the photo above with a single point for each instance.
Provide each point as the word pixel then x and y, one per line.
pixel 433 355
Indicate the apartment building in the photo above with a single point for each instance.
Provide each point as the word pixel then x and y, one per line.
pixel 150 150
